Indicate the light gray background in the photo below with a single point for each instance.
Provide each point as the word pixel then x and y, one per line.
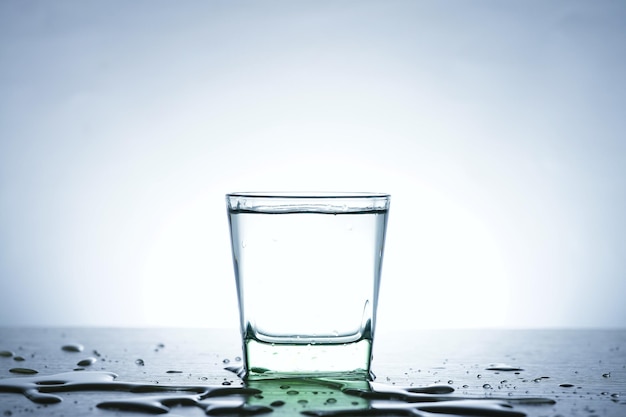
pixel 497 126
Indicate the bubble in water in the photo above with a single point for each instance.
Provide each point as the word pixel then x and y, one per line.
pixel 140 362
pixel 86 362
pixel 226 383
pixel 226 361
pixel 6 353
pixel 566 385
pixel 237 358
pixel 292 392
pixel 19 358
pixel 285 386
pixel 450 382
pixel 331 401
pixel 73 347
pixel 277 403
pixel 607 375
pixel 486 386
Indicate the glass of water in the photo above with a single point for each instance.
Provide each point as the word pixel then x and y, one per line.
pixel 307 268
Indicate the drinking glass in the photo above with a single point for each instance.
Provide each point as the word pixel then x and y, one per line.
pixel 307 268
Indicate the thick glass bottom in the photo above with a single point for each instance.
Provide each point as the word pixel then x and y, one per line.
pixel 348 361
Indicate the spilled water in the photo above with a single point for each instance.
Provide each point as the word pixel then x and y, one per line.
pixel 313 397
pixel 301 396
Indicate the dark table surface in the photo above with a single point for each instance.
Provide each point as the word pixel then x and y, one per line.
pixel 182 372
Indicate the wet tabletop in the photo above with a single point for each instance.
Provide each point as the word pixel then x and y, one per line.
pixel 190 372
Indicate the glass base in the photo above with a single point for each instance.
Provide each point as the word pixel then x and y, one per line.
pixel 346 361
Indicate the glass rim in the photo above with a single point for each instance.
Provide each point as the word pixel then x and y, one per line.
pixel 308 195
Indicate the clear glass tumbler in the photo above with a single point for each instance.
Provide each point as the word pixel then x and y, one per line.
pixel 307 267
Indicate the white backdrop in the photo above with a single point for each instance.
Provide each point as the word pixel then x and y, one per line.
pixel 498 128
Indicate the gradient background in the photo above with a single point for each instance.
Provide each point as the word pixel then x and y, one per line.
pixel 497 126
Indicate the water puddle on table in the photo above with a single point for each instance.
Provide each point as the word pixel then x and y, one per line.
pixel 306 396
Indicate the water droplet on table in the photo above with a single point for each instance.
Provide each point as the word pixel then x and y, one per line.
pixel 503 367
pixel 73 347
pixel 23 371
pixel 87 362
